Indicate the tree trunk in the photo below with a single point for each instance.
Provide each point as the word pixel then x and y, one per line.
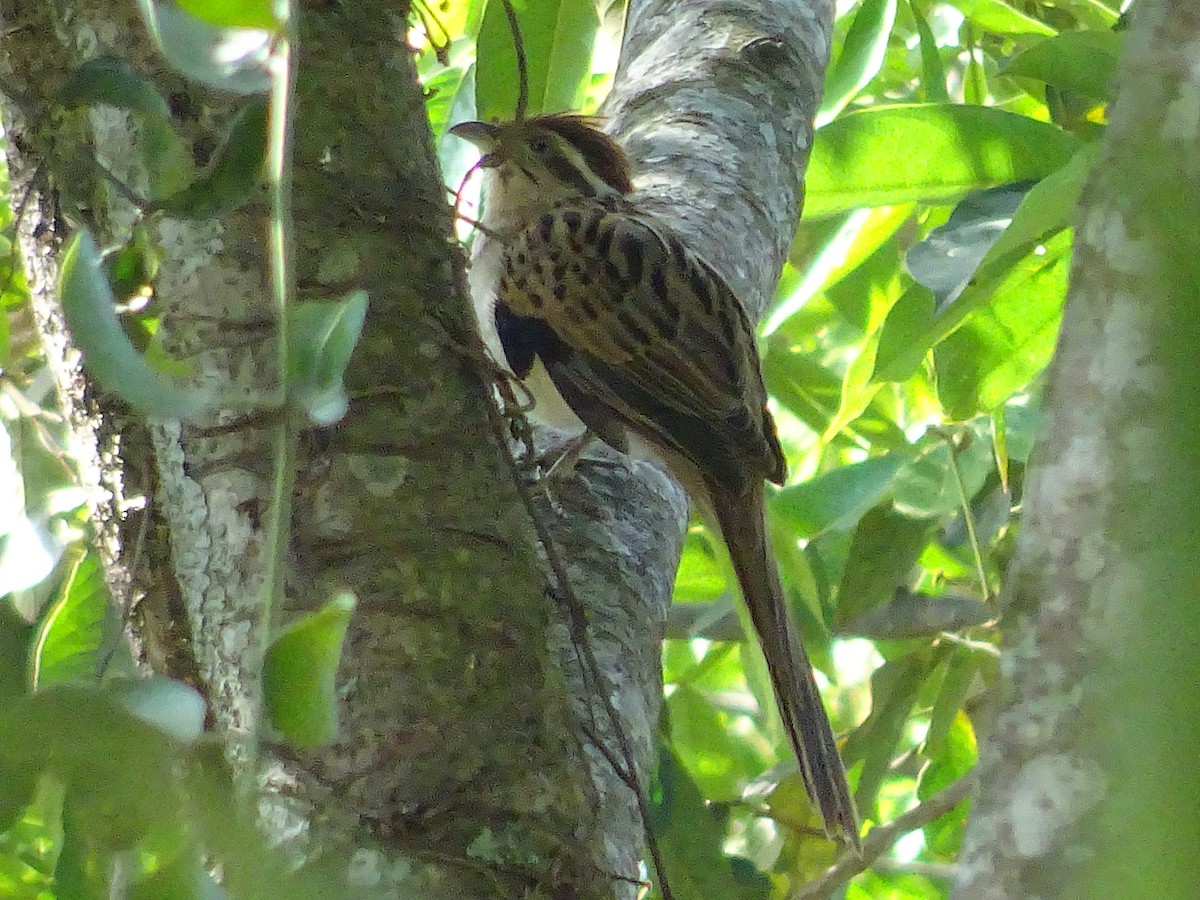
pixel 478 743
pixel 1088 780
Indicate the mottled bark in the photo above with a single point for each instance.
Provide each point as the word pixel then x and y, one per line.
pixel 209 291
pixel 1088 779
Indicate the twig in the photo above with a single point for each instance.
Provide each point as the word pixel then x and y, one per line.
pixel 968 516
pixel 623 763
pixel 940 871
pixel 881 839
pixel 522 64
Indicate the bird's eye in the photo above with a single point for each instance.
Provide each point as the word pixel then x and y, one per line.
pixel 539 145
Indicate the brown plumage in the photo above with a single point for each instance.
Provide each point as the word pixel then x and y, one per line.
pixel 615 325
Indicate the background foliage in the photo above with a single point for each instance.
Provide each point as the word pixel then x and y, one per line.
pixel 903 351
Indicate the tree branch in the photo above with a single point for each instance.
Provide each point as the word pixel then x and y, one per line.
pixel 883 837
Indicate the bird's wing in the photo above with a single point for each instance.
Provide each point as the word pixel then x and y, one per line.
pixel 632 325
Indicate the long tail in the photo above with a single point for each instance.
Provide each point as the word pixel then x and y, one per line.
pixel 742 518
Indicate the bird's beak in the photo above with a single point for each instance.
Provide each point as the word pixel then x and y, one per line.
pixel 482 135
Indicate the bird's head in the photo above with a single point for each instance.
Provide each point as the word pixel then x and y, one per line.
pixel 535 163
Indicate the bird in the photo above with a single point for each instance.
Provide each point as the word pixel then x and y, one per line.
pixel 618 330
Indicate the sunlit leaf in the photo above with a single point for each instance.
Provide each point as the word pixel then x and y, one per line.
pixel 961 670
pixel 1005 344
pixel 700 736
pixel 862 55
pixel 959 754
pixel 234 13
pixel 557 36
pixel 74 629
pixel 933 73
pixel 887 155
pixel 699 577
pixel 998 16
pixel 832 248
pixel 807 389
pixel 907 335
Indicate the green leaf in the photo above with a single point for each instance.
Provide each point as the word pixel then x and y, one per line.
pixel 961 670
pixel 1094 14
pixel 1003 346
pixel 699 577
pixel 803 386
pixel 1022 427
pixel 323 338
pixel 74 630
pixel 233 13
pixel 998 16
pixel 132 267
pixel 1020 251
pixel 832 249
pixel 838 498
pixel 862 56
pixel 906 336
pixel 933 152
pixel 235 172
pixel 950 253
pixel 168 159
pixel 1047 209
pixel 228 59
pixel 928 489
pixel 718 760
pixel 117 770
pixel 71 876
pixel 959 754
pixel 933 73
pixel 557 35
pixel 691 835
pixel 15 636
pixel 885 548
pixel 181 877
pixel 126 783
pixel 17 789
pixel 1084 62
pixel 108 355
pixel 443 92
pixel 111 81
pixel 300 672
pixel 894 689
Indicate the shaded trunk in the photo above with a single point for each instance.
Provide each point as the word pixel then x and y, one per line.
pixel 1088 786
